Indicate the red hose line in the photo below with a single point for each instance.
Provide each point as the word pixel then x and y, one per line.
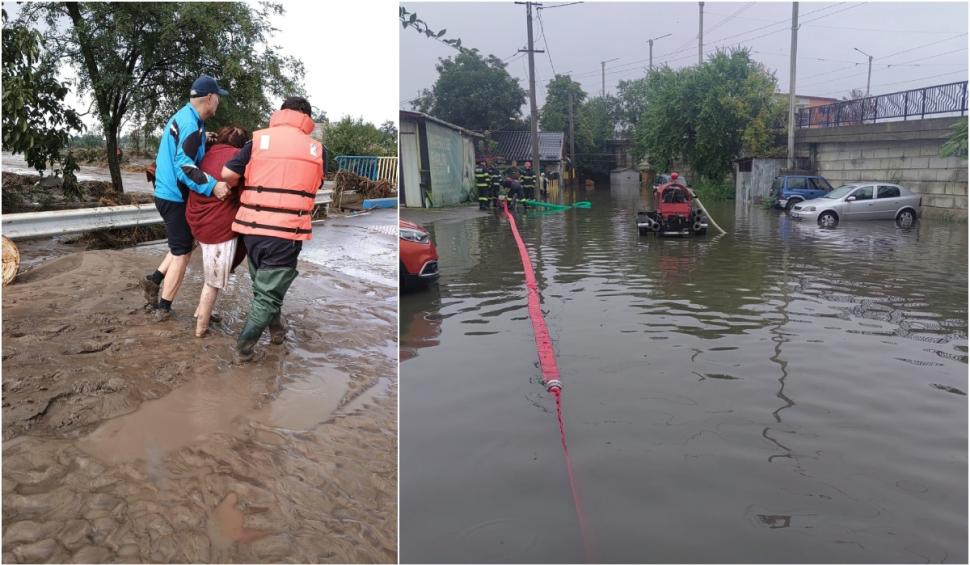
pixel 550 374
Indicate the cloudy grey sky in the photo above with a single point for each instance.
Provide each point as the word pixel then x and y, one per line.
pixel 914 44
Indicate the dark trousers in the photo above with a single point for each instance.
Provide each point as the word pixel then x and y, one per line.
pixel 272 268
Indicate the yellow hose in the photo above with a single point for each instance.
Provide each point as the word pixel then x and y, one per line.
pixel 708 214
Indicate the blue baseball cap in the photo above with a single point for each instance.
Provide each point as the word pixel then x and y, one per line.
pixel 205 85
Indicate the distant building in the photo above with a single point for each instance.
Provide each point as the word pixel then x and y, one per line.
pixel 437 161
pixel 802 101
pixel 517 145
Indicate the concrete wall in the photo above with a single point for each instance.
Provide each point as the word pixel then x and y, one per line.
pixel 906 152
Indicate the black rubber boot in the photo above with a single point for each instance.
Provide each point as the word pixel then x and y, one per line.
pixel 277 330
pixel 246 344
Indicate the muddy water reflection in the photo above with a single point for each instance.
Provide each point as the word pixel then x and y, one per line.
pixel 777 394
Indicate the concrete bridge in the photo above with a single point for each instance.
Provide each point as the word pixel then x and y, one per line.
pixel 906 152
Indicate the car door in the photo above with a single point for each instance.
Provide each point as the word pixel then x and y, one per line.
pixel 863 207
pixel 888 201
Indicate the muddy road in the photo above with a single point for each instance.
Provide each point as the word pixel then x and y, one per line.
pixel 127 441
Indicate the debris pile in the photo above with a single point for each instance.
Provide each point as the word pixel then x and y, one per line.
pixel 346 181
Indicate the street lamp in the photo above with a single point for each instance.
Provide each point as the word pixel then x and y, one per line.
pixel 869 77
pixel 650 41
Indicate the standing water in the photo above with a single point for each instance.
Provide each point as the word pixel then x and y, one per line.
pixel 777 394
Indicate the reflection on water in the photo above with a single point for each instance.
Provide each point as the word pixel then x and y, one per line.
pixel 781 393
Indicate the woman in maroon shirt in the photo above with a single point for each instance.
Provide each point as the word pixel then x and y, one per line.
pixel 211 222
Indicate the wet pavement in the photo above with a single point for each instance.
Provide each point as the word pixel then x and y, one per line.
pixel 777 394
pixel 133 181
pixel 129 441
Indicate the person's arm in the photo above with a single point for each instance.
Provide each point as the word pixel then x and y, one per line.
pixel 186 169
pixel 236 167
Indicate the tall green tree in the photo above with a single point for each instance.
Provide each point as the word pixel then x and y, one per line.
pixel 35 121
pixel 595 126
pixel 709 114
pixel 555 112
pixel 474 92
pixel 138 60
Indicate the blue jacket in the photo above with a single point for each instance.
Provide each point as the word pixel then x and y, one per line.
pixel 179 154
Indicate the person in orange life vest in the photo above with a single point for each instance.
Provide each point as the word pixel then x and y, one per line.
pixel 283 169
pixel 177 171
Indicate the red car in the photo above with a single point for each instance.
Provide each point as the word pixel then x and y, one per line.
pixel 419 259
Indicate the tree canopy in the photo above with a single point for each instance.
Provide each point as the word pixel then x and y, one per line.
pixel 595 125
pixel 554 115
pixel 474 92
pixel 707 115
pixel 138 60
pixel 35 121
pixel 354 136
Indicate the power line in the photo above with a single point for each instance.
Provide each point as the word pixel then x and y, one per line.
pixel 544 42
pixel 879 30
pixel 922 46
pixel 909 80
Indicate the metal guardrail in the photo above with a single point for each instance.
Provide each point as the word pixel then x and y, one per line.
pixel 64 222
pixel 370 166
pixel 906 104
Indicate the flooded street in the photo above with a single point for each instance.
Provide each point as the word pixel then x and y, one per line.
pixel 777 394
pixel 128 441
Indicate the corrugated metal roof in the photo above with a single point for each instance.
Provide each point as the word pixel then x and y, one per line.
pixel 518 145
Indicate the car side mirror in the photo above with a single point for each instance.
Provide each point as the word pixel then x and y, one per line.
pixel 850 199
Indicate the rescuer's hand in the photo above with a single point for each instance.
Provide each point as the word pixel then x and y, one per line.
pixel 221 190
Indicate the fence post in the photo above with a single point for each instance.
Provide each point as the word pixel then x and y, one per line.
pixel 963 104
pixel 923 107
pixel 905 105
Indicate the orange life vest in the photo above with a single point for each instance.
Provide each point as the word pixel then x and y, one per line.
pixel 284 172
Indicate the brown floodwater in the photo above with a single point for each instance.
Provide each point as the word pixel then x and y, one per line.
pixel 126 440
pixel 778 394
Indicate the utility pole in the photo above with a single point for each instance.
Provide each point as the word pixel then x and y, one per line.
pixel 650 41
pixel 572 140
pixel 536 165
pixel 603 65
pixel 869 77
pixel 700 35
pixel 791 87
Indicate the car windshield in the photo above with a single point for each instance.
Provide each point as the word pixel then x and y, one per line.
pixel 840 192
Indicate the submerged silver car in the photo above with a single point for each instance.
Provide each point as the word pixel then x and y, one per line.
pixel 869 200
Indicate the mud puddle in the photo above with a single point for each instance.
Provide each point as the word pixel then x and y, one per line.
pixel 126 440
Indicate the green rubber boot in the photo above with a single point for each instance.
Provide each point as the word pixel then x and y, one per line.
pixel 277 330
pixel 246 344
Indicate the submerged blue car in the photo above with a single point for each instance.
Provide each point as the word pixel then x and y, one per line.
pixel 789 190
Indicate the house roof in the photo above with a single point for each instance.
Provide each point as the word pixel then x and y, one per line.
pixel 423 116
pixel 518 145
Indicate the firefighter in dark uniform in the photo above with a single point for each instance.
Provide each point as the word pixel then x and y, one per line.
pixel 495 176
pixel 528 178
pixel 483 182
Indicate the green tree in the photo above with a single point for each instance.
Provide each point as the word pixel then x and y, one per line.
pixel 389 138
pixel 474 92
pixel 709 114
pixel 138 60
pixel 35 121
pixel 352 136
pixel 555 112
pixel 595 125
pixel 956 144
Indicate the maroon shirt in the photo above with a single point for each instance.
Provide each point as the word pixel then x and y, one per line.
pixel 211 218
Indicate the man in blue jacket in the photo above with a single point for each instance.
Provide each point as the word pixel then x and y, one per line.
pixel 177 172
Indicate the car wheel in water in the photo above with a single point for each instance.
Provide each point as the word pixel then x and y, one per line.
pixel 828 220
pixel 905 219
pixel 790 205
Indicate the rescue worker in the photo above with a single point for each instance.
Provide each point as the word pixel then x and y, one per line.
pixel 496 184
pixel 283 168
pixel 482 183
pixel 528 179
pixel 177 171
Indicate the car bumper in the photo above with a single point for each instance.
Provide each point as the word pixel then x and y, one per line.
pixel 804 216
pixel 781 203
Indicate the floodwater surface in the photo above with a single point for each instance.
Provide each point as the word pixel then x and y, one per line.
pixel 781 393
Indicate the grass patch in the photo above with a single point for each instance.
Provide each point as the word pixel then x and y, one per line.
pixel 713 190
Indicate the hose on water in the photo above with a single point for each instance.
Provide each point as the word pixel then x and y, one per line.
pixel 550 371
pixel 708 214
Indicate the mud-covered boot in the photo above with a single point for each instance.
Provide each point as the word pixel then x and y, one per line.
pixel 277 330
pixel 151 289
pixel 246 343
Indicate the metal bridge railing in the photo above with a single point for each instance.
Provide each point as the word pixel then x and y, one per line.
pixel 917 103
pixel 372 167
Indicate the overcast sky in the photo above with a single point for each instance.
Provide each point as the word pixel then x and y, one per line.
pixel 349 55
pixel 914 44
